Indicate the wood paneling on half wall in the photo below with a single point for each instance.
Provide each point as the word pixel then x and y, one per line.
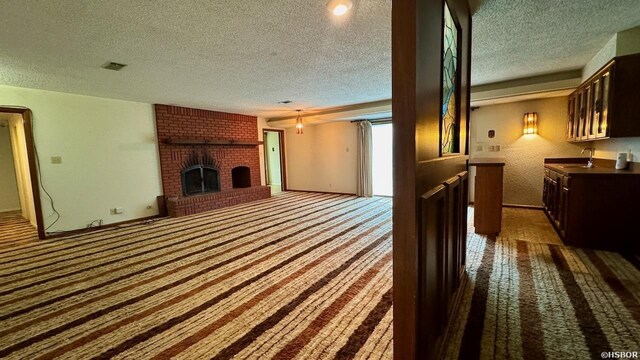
pixel 424 182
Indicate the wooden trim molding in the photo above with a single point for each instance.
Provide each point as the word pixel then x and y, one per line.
pixel 283 162
pixel 33 164
pixel 101 227
pixel 175 141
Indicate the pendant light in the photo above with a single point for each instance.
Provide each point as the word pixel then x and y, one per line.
pixel 299 126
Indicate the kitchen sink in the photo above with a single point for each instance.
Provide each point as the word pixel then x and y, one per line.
pixel 576 166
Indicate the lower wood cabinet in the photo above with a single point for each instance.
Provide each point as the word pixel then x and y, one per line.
pixel 594 208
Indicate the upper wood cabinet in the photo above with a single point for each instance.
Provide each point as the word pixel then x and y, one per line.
pixel 607 105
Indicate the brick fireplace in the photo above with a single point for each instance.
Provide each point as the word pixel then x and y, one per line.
pixel 208 159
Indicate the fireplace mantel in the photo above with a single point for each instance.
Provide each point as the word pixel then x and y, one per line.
pixel 175 141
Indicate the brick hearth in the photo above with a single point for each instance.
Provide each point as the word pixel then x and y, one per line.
pixel 183 133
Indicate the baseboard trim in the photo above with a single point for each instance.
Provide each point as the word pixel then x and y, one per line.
pixel 321 192
pixel 9 210
pixel 96 228
pixel 531 207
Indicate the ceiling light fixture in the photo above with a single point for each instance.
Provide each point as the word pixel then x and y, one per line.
pixel 299 126
pixel 339 7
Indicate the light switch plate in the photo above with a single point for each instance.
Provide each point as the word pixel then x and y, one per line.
pixel 56 159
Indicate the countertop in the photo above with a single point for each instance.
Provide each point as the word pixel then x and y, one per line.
pixel 596 170
pixel 487 162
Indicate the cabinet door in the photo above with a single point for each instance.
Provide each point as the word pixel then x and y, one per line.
pixel 587 99
pixel 582 114
pixel 545 194
pixel 576 116
pixel 562 209
pixel 603 120
pixel 595 108
pixel 571 119
pixel 553 198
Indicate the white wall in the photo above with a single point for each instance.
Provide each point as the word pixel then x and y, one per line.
pixel 109 155
pixel 601 58
pixel 623 43
pixel 323 158
pixel 9 199
pixel 524 154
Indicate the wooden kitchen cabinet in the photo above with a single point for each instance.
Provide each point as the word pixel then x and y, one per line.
pixel 605 106
pixel 594 208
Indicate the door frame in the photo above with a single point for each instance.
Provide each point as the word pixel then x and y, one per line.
pixel 33 164
pixel 283 163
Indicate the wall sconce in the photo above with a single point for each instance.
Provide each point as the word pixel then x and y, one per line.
pixel 530 123
pixel 299 126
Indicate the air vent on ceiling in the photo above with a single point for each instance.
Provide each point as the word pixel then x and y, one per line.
pixel 285 102
pixel 113 66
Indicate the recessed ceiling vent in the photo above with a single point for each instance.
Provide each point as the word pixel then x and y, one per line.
pixel 285 102
pixel 113 66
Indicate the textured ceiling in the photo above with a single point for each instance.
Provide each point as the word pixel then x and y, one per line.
pixel 229 55
pixel 518 38
pixel 246 55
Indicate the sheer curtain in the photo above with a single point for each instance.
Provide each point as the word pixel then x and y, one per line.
pixel 365 154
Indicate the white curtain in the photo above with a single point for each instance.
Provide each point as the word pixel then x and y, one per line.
pixel 365 153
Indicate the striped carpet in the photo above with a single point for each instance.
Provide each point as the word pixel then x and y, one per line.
pixel 300 275
pixel 535 299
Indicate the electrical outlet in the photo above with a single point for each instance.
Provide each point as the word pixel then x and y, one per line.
pixel 492 148
pixel 498 148
pixel 56 159
pixel 479 148
pixel 116 211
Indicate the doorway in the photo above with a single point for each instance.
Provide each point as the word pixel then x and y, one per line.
pixel 382 164
pixel 275 169
pixel 20 194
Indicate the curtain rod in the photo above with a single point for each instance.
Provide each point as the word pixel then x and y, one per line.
pixel 374 120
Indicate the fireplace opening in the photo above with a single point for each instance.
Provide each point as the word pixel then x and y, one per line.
pixel 241 177
pixel 200 179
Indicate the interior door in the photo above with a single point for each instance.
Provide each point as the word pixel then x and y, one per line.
pixel 421 169
pixel 275 165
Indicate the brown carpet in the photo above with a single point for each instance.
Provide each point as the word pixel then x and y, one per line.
pixel 301 275
pixel 534 299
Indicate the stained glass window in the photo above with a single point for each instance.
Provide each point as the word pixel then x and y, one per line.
pixel 449 123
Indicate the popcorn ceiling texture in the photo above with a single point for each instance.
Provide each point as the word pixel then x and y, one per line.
pixel 513 38
pixel 524 169
pixel 246 55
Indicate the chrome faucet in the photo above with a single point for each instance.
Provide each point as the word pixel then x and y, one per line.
pixel 591 151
